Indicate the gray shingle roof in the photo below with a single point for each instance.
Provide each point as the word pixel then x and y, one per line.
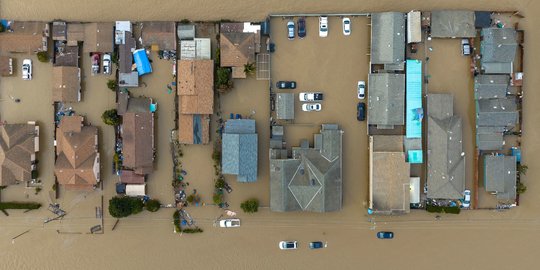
pixel 239 149
pixel 387 37
pixel 452 23
pixel 285 106
pixel 500 176
pixel 497 112
pixel 386 99
pixel 498 49
pixel 491 86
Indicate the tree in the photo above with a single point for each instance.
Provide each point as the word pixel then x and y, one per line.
pixel 224 82
pixel 112 84
pixel 43 57
pixel 110 117
pixel 249 69
pixel 217 198
pixel 520 188
pixel 119 207
pixel 220 182
pixel 250 206
pixel 522 169
pixel 153 205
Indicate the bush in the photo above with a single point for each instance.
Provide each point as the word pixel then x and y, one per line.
pixel 250 206
pixel 176 222
pixel 249 69
pixel 520 188
pixel 38 189
pixel 110 117
pixel 124 206
pixel 192 230
pixel 112 84
pixel 43 57
pixel 153 205
pixel 224 82
pixel 220 183
pixel 443 209
pixel 193 198
pixel 217 198
pixel 54 186
pixel 19 205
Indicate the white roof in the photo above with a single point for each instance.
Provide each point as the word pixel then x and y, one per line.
pixel 123 26
pixel 135 190
pixel 415 190
pixel 249 28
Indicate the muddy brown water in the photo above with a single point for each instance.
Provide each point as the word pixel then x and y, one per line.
pixel 472 240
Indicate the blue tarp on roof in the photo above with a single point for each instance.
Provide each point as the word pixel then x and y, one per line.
pixel 414 108
pixel 142 62
pixel 415 156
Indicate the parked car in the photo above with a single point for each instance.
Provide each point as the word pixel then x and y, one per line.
pixel 361 111
pixel 385 235
pixel 27 69
pixel 95 63
pixel 286 85
pixel 467 199
pixel 465 47
pixel 229 223
pixel 361 89
pixel 323 26
pixel 311 107
pixel 301 27
pixel 107 64
pixel 310 96
pixel 290 30
pixel 346 26
pixel 288 245
pixel 317 245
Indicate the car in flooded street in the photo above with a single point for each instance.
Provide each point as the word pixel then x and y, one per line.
pixel 311 107
pixel 95 63
pixel 288 245
pixel 317 245
pixel 27 69
pixel 385 235
pixel 301 27
pixel 290 30
pixel 310 96
pixel 323 26
pixel 346 26
pixel 107 65
pixel 286 85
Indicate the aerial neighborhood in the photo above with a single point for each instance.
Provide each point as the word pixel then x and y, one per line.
pixel 414 112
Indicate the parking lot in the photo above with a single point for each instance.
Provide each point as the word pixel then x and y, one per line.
pixel 332 65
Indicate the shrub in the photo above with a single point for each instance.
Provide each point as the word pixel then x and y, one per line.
pixel 43 57
pixel 224 82
pixel 192 230
pixel 19 205
pixel 217 198
pixel 54 186
pixel 112 84
pixel 153 205
pixel 124 206
pixel 110 117
pixel 185 21
pixel 443 209
pixel 176 222
pixel 520 188
pixel 249 69
pixel 193 198
pixel 220 183
pixel 38 189
pixel 250 206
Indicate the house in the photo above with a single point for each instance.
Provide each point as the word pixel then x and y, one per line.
pixel 159 35
pixel 127 77
pixel 67 56
pixel 122 30
pixel 491 86
pixel 6 66
pixel 77 163
pixel 196 100
pixel 414 111
pixel 59 31
pixel 388 39
pixel 498 48
pixel 136 190
pixel 130 177
pixel 452 24
pixel 195 49
pixel 285 106
pixel 389 176
pixel 24 37
pixel 386 100
pixel 446 159
pixel 66 84
pixel 494 116
pixel 98 37
pixel 185 32
pixel 19 144
pixel 312 179
pixel 239 149
pixel 238 45
pixel 500 174
pixel 75 33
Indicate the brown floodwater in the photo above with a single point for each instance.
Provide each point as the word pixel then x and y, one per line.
pixel 479 239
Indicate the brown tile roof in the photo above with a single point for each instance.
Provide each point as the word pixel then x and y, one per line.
pixel 4 66
pixel 126 55
pixel 16 150
pixel 98 37
pixel 196 86
pixel 59 31
pixel 75 33
pixel 237 49
pixel 162 34
pixel 186 131
pixel 68 57
pixel 66 84
pixel 77 157
pixel 138 141
pixel 130 177
pixel 24 37
pixel 231 27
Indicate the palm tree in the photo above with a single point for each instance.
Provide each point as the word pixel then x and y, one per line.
pixel 249 69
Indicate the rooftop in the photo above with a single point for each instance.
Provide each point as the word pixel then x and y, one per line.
pixel 386 99
pixel 25 37
pixel 196 86
pixel 500 176
pixel 237 49
pixel 239 149
pixel 491 86
pixel 387 38
pixel 285 106
pixel 98 37
pixel 160 34
pixel 452 23
pixel 17 151
pixel 498 48
pixel 138 141
pixel 66 84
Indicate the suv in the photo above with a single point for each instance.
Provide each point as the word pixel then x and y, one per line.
pixel 290 30
pixel 27 69
pixel 107 64
pixel 465 47
pixel 301 27
pixel 288 245
pixel 323 26
pixel 310 96
pixel 286 85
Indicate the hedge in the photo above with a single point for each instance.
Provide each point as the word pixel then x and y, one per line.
pixel 19 205
pixel 443 209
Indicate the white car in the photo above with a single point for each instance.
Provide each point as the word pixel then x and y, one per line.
pixel 311 107
pixel 27 69
pixel 465 47
pixel 107 64
pixel 290 30
pixel 310 96
pixel 288 245
pixel 229 223
pixel 361 89
pixel 323 26
pixel 467 199
pixel 346 26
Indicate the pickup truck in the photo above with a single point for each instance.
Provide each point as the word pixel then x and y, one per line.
pixel 229 223
pixel 310 96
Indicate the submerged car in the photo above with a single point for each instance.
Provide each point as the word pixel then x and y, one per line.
pixel 465 47
pixel 95 63
pixel 361 111
pixel 286 85
pixel 290 30
pixel 385 235
pixel 466 199
pixel 323 26
pixel 27 69
pixel 288 245
pixel 301 27
pixel 346 26
pixel 310 96
pixel 229 223
pixel 107 64
pixel 311 107
pixel 317 245
pixel 361 89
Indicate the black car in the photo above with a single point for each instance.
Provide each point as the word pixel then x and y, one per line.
pixel 361 111
pixel 286 85
pixel 316 245
pixel 301 27
pixel 385 235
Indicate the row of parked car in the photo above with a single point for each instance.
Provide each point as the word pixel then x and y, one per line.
pixel 323 27
pixel 318 244
pixel 107 63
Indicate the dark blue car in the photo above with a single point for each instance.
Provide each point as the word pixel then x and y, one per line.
pixel 316 245
pixel 385 235
pixel 301 27
pixel 361 111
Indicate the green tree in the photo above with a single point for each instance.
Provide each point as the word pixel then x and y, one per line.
pixel 224 82
pixel 217 198
pixel 250 206
pixel 520 188
pixel 110 117
pixel 112 84
pixel 119 207
pixel 43 57
pixel 249 69
pixel 153 205
pixel 522 169
pixel 220 182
